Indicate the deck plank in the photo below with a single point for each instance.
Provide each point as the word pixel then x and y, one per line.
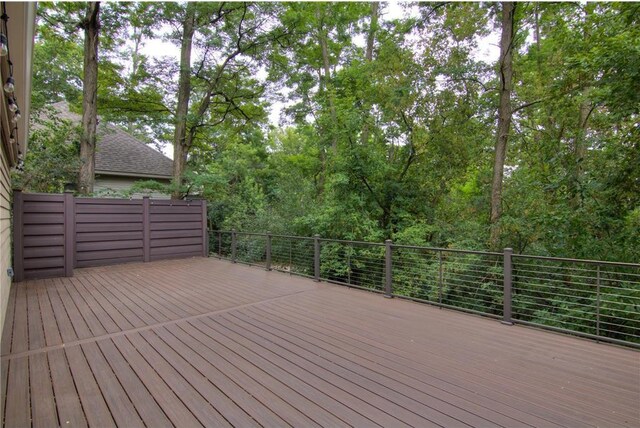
pixel 35 325
pixel 314 388
pixel 422 387
pixel 168 401
pixel 208 388
pixel 150 412
pixel 198 342
pixel 225 381
pixel 93 402
pixel 200 408
pixel 20 336
pixel 18 407
pixel 65 327
pixel 203 352
pixel 43 406
pixel 117 399
pixel 67 400
pixel 49 323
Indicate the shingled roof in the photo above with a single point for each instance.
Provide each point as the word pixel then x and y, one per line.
pixel 119 153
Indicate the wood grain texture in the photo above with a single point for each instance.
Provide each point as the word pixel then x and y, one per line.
pixel 204 342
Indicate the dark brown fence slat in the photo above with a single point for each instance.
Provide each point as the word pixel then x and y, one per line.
pixel 155 218
pixel 164 234
pixel 174 242
pixel 55 233
pixel 43 207
pixel 177 209
pixel 111 217
pixel 43 240
pixel 101 255
pixel 108 236
pixel 43 218
pixel 97 201
pixel 100 208
pixel 44 251
pixel 108 245
pixel 44 229
pixel 45 262
pixel 176 226
pixel 108 227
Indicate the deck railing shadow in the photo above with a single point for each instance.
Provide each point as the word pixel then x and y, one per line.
pixel 590 298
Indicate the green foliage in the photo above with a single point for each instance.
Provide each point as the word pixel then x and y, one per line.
pixel 388 132
pixel 52 160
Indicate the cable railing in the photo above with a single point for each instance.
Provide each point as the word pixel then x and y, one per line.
pixel 595 299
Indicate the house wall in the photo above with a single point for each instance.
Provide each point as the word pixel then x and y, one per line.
pixel 107 183
pixel 5 234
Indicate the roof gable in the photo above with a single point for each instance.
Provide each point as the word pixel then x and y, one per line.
pixel 121 153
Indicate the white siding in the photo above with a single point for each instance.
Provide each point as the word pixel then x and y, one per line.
pixel 5 235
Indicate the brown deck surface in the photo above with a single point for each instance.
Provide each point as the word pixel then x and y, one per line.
pixel 206 342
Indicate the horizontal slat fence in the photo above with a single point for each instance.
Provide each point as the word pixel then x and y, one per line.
pixel 39 248
pixel 108 231
pixel 55 233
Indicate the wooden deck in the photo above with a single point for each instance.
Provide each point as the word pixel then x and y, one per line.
pixel 206 342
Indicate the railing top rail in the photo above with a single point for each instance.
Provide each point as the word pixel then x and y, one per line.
pixel 448 250
pixel 565 259
pixel 346 241
pixel 273 235
pixel 437 249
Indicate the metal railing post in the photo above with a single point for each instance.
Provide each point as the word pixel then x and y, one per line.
pixel 506 300
pixel 388 266
pixel 598 303
pixel 440 277
pixel 234 245
pixel 268 264
pixel 349 265
pixel 219 245
pixel 316 258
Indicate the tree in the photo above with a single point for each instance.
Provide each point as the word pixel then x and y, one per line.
pixel 504 118
pixel 91 27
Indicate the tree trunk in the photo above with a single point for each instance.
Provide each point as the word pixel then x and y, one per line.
pixel 504 119
pixel 180 148
pixel 329 88
pixel 91 26
pixel 364 137
pixel 580 148
pixel 372 31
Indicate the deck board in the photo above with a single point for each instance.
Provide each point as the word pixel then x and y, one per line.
pixel 204 342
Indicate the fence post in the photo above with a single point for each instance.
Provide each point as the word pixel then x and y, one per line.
pixel 316 257
pixel 219 245
pixel 18 235
pixel 388 291
pixel 69 233
pixel 268 266
pixel 146 227
pixel 205 230
pixel 234 245
pixel 506 301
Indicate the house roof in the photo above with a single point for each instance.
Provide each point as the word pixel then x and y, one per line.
pixel 120 153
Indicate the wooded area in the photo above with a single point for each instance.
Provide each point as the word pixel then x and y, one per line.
pixel 391 128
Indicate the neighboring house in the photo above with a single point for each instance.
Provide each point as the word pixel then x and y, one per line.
pixel 122 159
pixel 13 136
